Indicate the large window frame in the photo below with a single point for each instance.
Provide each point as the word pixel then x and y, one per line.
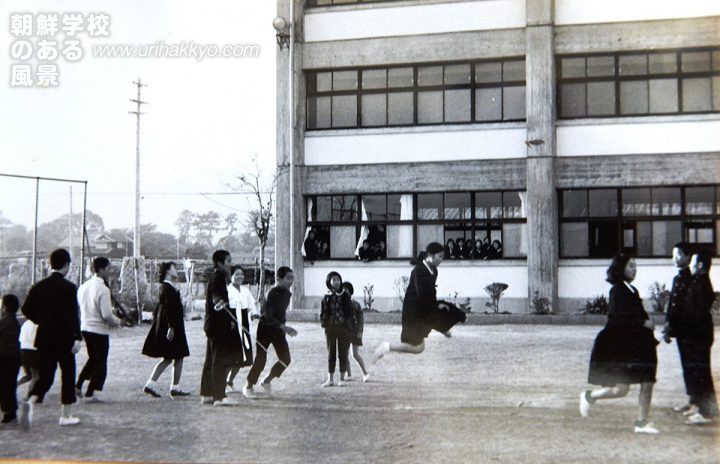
pixel 626 221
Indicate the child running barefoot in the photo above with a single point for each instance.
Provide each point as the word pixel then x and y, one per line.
pixel 336 317
pixel 356 337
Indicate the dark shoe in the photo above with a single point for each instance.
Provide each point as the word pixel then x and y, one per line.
pixel 150 392
pixel 178 393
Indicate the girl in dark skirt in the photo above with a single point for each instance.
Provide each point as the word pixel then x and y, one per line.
pixel 336 317
pixel 242 301
pixel 357 334
pixel 624 352
pixel 167 338
pixel 421 311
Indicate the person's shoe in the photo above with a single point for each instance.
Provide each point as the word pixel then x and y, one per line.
pixel 683 407
pixel 645 427
pixel 177 393
pixel 328 383
pixel 92 399
pixel 267 388
pixel 382 349
pixel 9 419
pixel 447 334
pixel 226 402
pixel 347 378
pixel 206 400
pixel 249 393
pixel 229 388
pixel 366 378
pixel 698 419
pixel 341 383
pixel 693 410
pixel 9 422
pixel 150 392
pixel 585 403
pixel 69 420
pixel 26 415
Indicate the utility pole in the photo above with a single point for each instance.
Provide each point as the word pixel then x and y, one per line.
pixel 137 113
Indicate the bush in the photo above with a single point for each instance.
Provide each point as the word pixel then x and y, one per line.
pixel 539 305
pixel 660 297
pixel 465 305
pixel 495 291
pixel 596 305
pixel 368 299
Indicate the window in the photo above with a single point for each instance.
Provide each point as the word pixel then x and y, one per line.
pixel 472 225
pixel 646 222
pixel 452 93
pixel 312 3
pixel 639 83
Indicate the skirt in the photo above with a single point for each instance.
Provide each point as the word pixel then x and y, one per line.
pixel 623 355
pixel 417 326
pixel 247 351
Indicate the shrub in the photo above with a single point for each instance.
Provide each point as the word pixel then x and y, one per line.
pixel 660 296
pixel 465 305
pixel 596 305
pixel 540 305
pixel 368 299
pixel 401 285
pixel 495 290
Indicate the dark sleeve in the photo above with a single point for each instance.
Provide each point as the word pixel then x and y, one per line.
pixel 348 309
pixel 274 301
pixel 72 312
pixel 425 288
pixel 166 309
pixel 624 308
pixel 218 288
pixel 31 305
pixel 360 318
pixel 323 310
pixel 698 301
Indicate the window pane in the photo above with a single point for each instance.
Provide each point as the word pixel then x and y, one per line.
pixel 461 234
pixel 344 111
pixel 695 62
pixel 575 203
pixel 318 112
pixel 400 77
pixel 512 205
pixel 572 67
pixel 374 109
pixel 377 239
pixel 716 60
pixel 666 201
pixel 374 79
pixel 487 104
pixel 342 242
pixel 572 100
pixel 514 71
pixel 399 241
pixel 644 241
pixel 633 65
pixel 574 239
pixel 375 207
pixel 324 82
pixel 488 72
pixel 319 245
pixel 513 243
pixel 323 208
pixel 345 80
pixel 430 75
pixel 430 107
pixel 601 98
pixel 430 205
pixel 665 235
pixel 716 93
pixel 699 200
pixel 400 207
pixel 457 105
pixel 663 96
pixel 603 203
pixel 400 108
pixel 699 232
pixel 427 234
pixel 696 94
pixel 636 202
pixel 344 208
pixel 663 63
pixel 634 97
pixel 457 206
pixel 600 66
pixel 514 103
pixel 457 74
pixel 488 205
pixel 603 239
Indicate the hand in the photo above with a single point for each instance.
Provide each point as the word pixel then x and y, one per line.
pixel 170 335
pixel 76 347
pixel 221 305
pixel 666 333
pixel 290 331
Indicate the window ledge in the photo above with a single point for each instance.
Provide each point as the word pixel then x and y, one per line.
pixel 415 129
pixel 604 262
pixel 375 5
pixel 405 263
pixel 638 120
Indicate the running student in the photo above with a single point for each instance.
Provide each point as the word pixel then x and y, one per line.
pixel 421 311
pixel 29 356
pixel 244 305
pixel 271 331
pixel 624 352
pixel 336 317
pixel 9 358
pixel 356 337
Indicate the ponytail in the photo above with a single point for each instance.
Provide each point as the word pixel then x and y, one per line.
pixel 419 259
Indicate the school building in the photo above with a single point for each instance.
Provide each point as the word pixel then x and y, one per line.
pixel 544 135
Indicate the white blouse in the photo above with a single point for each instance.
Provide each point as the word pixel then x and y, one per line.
pixel 241 299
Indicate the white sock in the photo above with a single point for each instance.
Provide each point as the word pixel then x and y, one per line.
pixel 174 386
pixel 151 383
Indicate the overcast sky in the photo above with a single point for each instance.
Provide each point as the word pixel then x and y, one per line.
pixel 205 119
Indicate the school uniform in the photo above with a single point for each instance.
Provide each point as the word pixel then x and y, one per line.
pixel 336 317
pixel 270 333
pixel 169 314
pixel 694 332
pixel 28 353
pixel 9 366
pixel 243 303
pixel 624 352
pixel 52 304
pixel 358 324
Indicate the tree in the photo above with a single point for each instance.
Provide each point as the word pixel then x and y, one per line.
pixel 206 226
pixel 51 234
pixel 184 223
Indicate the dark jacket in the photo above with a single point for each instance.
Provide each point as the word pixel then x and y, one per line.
pixel 9 337
pixel 336 311
pixel 681 283
pixel 168 314
pixel 421 295
pixel 695 322
pixel 274 311
pixel 52 304
pixel 218 324
pixel 358 318
pixel 626 308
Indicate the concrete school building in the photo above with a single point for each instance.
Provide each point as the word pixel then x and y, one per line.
pixel 546 136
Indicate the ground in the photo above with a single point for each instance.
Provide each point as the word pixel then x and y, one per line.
pixel 490 394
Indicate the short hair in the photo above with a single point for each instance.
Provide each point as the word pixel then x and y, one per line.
pixel 705 259
pixel 283 271
pixel 59 258
pixel 434 248
pixel 616 271
pixel 164 268
pixel 100 263
pixel 236 268
pixel 219 257
pixel 349 287
pixel 10 302
pixel 329 277
pixel 685 247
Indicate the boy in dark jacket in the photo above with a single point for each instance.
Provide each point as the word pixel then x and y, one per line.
pixel 9 357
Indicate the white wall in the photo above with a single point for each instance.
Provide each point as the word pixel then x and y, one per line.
pixel 385 20
pixel 415 144
pixel 607 11
pixel 469 280
pixel 586 278
pixel 637 136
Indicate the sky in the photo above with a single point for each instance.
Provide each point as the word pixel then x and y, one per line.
pixel 205 119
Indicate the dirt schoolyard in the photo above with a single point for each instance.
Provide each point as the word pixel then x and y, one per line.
pixel 490 394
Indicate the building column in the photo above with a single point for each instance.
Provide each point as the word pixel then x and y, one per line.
pixel 289 204
pixel 542 207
